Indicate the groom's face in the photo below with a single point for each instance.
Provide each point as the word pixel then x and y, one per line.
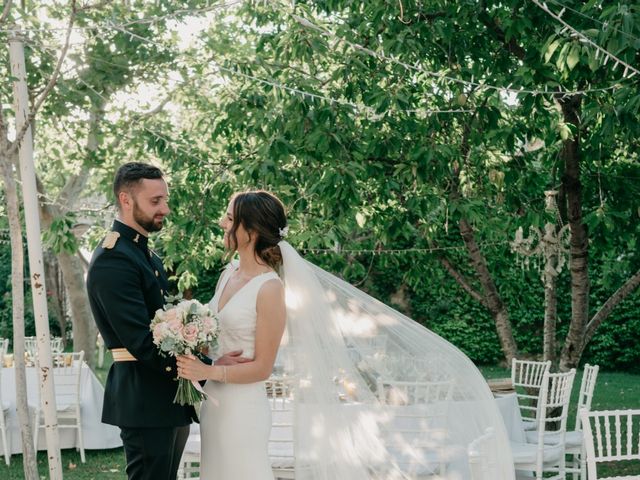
pixel 149 204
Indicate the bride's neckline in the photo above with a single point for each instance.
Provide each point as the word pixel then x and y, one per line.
pixel 226 282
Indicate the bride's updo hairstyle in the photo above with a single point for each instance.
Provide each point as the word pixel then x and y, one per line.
pixel 262 215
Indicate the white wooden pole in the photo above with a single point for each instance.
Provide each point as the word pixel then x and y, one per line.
pixel 36 264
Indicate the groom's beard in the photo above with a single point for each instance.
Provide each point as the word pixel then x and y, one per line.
pixel 145 221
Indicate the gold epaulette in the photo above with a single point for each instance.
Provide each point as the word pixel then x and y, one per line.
pixel 110 240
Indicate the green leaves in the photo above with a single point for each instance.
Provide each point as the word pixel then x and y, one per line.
pixel 551 50
pixel 60 236
pixel 573 56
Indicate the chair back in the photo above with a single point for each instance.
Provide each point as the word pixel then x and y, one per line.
pixel 30 347
pixel 56 345
pixel 281 439
pixel 611 435
pixel 555 393
pixel 482 461
pixel 527 378
pixel 2 353
pixel 397 392
pixel 587 386
pixel 557 399
pixel 67 370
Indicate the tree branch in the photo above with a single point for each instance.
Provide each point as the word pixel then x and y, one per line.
pixel 52 81
pixel 462 281
pixel 141 116
pixel 99 4
pixel 629 286
pixel 5 11
pixel 4 140
pixel 494 28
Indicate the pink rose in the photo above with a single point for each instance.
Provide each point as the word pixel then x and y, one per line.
pixel 173 320
pixel 190 332
pixel 159 332
pixel 207 325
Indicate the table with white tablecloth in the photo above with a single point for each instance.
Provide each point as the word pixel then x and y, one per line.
pixel 97 435
pixel 510 412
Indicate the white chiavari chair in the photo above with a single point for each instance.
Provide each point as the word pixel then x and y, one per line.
pixel 31 347
pixel 4 412
pixel 189 466
pixel 415 436
pixel 545 448
pixel 526 378
pixel 575 438
pixel 56 345
pixel 482 463
pixel 611 436
pixel 281 439
pixel 67 373
pixel 30 350
pixel 398 392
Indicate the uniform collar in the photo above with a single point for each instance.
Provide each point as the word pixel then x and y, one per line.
pixel 136 237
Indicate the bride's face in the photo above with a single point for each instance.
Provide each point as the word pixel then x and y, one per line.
pixel 226 223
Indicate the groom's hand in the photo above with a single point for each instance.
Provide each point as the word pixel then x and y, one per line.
pixel 232 358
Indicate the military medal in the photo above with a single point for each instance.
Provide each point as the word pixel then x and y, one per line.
pixel 110 240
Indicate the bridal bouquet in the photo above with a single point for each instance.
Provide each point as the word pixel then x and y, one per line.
pixel 185 327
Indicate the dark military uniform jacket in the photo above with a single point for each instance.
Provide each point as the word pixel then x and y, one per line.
pixel 126 285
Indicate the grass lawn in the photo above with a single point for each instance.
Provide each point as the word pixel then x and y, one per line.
pixel 613 391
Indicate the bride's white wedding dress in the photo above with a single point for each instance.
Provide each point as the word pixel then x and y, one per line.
pixel 235 419
pixel 358 373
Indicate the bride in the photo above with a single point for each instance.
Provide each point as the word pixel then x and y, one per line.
pixel 374 394
pixel 249 303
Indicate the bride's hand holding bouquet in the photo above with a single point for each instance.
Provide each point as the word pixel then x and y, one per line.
pixel 185 327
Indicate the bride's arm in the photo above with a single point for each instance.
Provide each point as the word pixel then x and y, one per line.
pixel 270 323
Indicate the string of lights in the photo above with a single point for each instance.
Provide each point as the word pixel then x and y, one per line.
pixel 393 251
pixel 606 25
pixel 368 112
pixel 439 75
pixel 584 39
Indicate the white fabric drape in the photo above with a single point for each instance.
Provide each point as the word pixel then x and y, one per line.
pixel 375 393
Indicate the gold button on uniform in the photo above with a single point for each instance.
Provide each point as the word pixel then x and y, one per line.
pixel 168 369
pixel 157 274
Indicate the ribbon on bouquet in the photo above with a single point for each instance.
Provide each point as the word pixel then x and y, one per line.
pixel 199 388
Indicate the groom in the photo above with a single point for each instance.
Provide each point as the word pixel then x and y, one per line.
pixel 126 285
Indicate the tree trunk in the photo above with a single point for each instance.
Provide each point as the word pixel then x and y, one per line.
pixel 84 329
pixel 36 267
pixel 492 298
pixel 29 464
pixel 56 294
pixel 550 310
pixel 579 243
pixel 72 267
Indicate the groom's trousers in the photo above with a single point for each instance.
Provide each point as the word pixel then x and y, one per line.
pixel 153 453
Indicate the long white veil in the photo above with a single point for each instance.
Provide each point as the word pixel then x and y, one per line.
pixel 375 394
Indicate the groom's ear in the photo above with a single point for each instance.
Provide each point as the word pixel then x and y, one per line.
pixel 124 200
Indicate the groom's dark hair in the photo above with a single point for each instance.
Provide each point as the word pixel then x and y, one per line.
pixel 262 215
pixel 129 176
